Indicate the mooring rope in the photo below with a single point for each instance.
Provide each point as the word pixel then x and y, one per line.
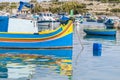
pixel 79 39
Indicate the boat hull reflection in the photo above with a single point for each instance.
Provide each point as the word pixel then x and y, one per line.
pixel 100 37
pixel 22 64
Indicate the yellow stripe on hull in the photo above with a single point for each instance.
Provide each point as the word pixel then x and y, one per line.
pixel 66 30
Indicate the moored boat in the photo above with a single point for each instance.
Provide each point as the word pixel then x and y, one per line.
pixel 101 20
pixel 103 32
pixel 27 37
pixel 47 19
pixel 91 20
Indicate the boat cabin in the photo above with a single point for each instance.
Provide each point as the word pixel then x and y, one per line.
pixel 47 16
pixel 16 25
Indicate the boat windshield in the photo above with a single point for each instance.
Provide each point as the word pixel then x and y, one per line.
pixel 45 14
pixel 50 14
pixel 40 14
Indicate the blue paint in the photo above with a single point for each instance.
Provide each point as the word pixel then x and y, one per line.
pixel 109 24
pixel 58 53
pixel 64 20
pixel 26 4
pixel 65 41
pixel 4 23
pixel 97 49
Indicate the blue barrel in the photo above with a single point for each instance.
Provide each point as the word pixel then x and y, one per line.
pixel 97 49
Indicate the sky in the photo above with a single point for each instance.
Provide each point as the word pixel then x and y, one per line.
pixel 19 0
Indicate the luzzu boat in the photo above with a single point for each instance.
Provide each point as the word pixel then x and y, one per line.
pixel 13 35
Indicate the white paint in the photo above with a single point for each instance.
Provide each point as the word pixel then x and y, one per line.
pixel 22 25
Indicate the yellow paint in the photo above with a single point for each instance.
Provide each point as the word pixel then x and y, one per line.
pixel 66 66
pixel 70 30
pixel 49 31
pixel 66 60
pixel 66 69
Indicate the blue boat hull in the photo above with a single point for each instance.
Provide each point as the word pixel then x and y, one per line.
pixel 63 42
pixel 104 32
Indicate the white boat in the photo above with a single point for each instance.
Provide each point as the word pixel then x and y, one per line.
pixel 46 16
pixel 46 20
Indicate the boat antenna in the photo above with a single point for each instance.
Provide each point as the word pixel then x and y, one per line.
pixel 52 24
pixel 77 26
pixel 34 16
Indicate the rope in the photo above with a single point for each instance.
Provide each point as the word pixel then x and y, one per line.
pixel 30 76
pixel 80 42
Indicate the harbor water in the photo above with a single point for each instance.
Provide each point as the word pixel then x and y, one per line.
pixel 89 67
pixel 76 64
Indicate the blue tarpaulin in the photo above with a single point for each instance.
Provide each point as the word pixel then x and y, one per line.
pixel 109 24
pixel 64 18
pixel 26 4
pixel 109 21
pixel 4 23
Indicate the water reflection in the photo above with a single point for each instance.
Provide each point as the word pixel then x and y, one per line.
pixel 35 64
pixel 3 70
pixel 96 37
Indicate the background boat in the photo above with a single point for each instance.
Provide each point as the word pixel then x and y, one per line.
pixel 47 20
pixel 103 32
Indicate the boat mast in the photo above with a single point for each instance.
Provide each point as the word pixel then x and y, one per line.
pixel 34 4
pixel 34 16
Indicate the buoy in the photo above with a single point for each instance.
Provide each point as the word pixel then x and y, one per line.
pixel 97 49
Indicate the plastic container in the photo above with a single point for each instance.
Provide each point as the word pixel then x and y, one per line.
pixel 97 49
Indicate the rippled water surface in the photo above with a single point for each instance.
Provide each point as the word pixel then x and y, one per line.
pixel 89 67
pixel 35 64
